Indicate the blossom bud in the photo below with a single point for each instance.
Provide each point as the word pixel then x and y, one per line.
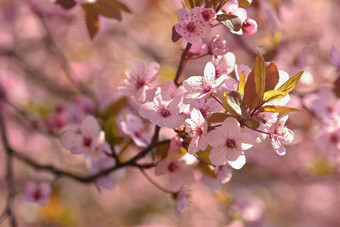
pixel 249 27
pixel 218 46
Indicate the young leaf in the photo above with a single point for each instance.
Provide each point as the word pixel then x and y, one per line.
pixel 260 76
pixel 231 21
pixel 250 98
pixel 273 95
pixel 113 109
pixel 175 36
pixel 66 4
pixel 233 103
pixel 242 82
pixel 111 131
pixel 206 169
pixel 107 8
pixel 204 155
pixel 245 3
pixel 272 76
pixel 252 123
pixel 217 117
pixel 277 109
pixel 91 19
pixel 189 4
pixel 291 83
pixel 121 6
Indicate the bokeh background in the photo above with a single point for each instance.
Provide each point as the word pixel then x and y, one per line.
pixel 301 188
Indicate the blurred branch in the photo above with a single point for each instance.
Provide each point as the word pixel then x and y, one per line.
pixel 181 64
pixel 155 183
pixel 9 210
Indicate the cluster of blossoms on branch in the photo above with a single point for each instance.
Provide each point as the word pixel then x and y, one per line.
pixel 196 130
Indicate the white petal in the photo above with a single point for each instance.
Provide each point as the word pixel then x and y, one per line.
pixel 238 163
pixel 218 156
pixel 209 72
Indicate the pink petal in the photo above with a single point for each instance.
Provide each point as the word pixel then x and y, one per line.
pixel 238 163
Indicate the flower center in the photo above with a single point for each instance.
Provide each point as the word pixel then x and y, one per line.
pixel 139 83
pixel 172 167
pixel 206 15
pixel 207 88
pixel 87 141
pixel 37 194
pixel 334 139
pixel 165 112
pixel 191 27
pixel 230 143
pixel 198 131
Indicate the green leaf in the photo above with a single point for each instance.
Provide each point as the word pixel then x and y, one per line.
pixel 245 3
pixel 217 117
pixel 231 21
pixel 277 109
pixel 291 83
pixel 241 82
pixel 272 77
pixel 273 95
pixel 111 132
pixel 113 109
pixel 260 76
pixel 91 19
pixel 203 156
pixel 162 150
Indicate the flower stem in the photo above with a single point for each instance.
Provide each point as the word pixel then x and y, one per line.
pixel 181 64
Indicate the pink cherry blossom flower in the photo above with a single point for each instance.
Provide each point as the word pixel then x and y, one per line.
pixel 179 169
pixel 190 26
pixel 197 128
pixel 335 58
pixel 198 87
pixel 326 105
pixel 228 144
pixel 137 130
pixel 207 15
pixel 218 46
pixel 206 106
pixel 224 174
pixel 281 135
pixel 197 48
pixel 181 198
pixel 164 111
pixel 328 139
pixel 37 192
pixel 249 27
pixel 104 163
pixel 88 142
pixel 139 78
pixel 225 64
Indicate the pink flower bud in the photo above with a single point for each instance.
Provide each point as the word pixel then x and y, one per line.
pixel 249 27
pixel 218 46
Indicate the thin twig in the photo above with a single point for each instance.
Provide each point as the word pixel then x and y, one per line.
pixel 155 183
pixel 181 64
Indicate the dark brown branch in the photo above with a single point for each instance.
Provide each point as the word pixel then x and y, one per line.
pixel 181 64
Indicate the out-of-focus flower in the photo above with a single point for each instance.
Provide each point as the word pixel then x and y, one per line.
pixel 202 86
pixel 335 58
pixel 328 139
pixel 134 127
pixel 175 143
pixel 139 78
pixel 281 135
pixel 228 144
pixel 197 128
pixel 190 26
pixel 181 197
pixel 164 111
pixel 104 163
pixel 224 174
pixel 206 106
pixel 179 168
pixel 218 46
pixel 37 192
pixel 90 141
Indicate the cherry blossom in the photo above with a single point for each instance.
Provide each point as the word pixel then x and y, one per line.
pixel 175 143
pixel 207 15
pixel 218 46
pixel 228 144
pixel 101 164
pixel 326 105
pixel 164 111
pixel 197 127
pixel 139 78
pixel 328 139
pixel 206 106
pixel 224 175
pixel 90 141
pixel 281 135
pixel 190 26
pixel 139 132
pixel 198 87
pixel 179 169
pixel 181 198
pixel 37 192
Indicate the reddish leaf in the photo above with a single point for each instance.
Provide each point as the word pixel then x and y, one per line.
pixel 91 18
pixel 175 36
pixel 272 77
pixel 66 4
